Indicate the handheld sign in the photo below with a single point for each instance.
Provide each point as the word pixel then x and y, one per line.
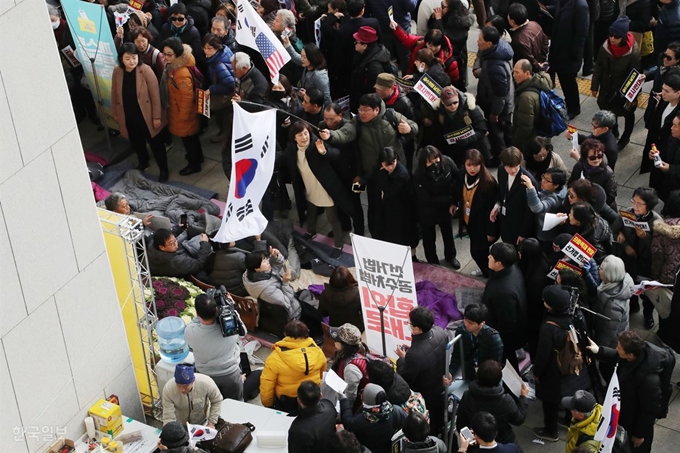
pixel 405 85
pixel 629 220
pixel 428 89
pixel 136 4
pixel 632 86
pixel 579 250
pixel 561 264
pixel 202 103
pixel 573 130
pixel 461 134
pixel 390 12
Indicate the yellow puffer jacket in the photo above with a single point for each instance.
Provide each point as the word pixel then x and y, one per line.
pixel 581 433
pixel 292 361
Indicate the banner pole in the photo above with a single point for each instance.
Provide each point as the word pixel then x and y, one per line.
pixel 100 102
pixel 381 309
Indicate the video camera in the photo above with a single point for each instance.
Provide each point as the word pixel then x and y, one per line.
pixel 227 315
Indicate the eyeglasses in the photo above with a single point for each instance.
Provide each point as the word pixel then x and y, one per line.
pixel 668 57
pixel 637 203
pixel 595 157
pixel 169 54
pixel 177 18
pixel 453 103
pixel 544 178
pixel 595 126
pixel 444 5
pixel 171 242
pixel 571 195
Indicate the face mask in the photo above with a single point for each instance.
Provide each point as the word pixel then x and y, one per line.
pixel 277 95
pixel 55 24
pixel 434 168
pixel 421 68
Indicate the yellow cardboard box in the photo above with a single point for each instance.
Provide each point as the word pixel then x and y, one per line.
pixel 107 417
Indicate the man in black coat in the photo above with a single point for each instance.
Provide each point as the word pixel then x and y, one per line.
pixel 670 157
pixel 568 39
pixel 640 363
pixel 506 299
pixel 422 365
pixel 168 259
pixel 513 219
pixel 314 425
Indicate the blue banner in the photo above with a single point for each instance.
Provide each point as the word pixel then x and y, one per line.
pixel 90 29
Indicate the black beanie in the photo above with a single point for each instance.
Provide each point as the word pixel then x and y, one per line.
pixel 620 26
pixel 557 298
pixel 174 435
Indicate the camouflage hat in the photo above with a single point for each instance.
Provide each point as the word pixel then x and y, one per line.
pixel 346 333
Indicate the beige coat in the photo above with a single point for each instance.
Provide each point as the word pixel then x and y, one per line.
pixel 148 96
pixel 204 402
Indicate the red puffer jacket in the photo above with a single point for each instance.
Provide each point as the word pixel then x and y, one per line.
pixel 415 43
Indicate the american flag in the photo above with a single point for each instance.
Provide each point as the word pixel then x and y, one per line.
pixel 270 53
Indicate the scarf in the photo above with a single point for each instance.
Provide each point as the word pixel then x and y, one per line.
pixel 619 51
pixel 539 167
pixel 259 276
pixel 178 31
pixel 377 414
pixel 471 181
pixel 165 96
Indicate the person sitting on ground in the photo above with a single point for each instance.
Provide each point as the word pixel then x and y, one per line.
pixel 486 393
pixel 377 420
pixel 293 360
pixel 191 397
pixel 585 417
pixel 396 388
pixel 479 342
pixel 417 430
pixel 350 360
pixel 313 428
pixel 268 279
pixel 230 264
pixel 340 300
pixel 484 428
pixel 168 259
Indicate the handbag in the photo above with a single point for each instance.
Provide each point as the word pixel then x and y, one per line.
pixel 230 437
pixel 645 42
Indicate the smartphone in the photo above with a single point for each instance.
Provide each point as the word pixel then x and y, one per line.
pixel 183 220
pixel 287 32
pixel 358 187
pixel 467 434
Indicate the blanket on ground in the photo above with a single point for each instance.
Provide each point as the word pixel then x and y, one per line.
pixel 442 304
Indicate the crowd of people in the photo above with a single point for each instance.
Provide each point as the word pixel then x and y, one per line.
pixel 421 165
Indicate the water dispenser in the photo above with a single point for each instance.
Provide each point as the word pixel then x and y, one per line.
pixel 170 331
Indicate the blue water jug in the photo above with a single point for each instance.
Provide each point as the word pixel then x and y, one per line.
pixel 170 331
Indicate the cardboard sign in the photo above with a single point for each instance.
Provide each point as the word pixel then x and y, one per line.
pixel 579 250
pixel 202 103
pixel 428 89
pixel 629 220
pixel 390 12
pixel 461 134
pixel 561 264
pixel 632 86
pixel 136 4
pixel 405 85
pixel 70 55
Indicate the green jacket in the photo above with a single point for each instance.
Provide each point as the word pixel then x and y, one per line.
pixel 581 432
pixel 528 107
pixel 371 138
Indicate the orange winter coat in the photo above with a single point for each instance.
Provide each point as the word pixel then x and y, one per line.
pixel 183 119
pixel 148 97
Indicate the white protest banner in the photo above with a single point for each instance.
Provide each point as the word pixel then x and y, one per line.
pixel 253 145
pixel 253 32
pixel 632 86
pixel 579 250
pixel 317 32
pixel 561 264
pixel 629 220
pixel 428 89
pixel 609 420
pixel 202 103
pixel 385 275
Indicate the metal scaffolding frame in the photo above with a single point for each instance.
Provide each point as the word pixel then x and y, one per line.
pixel 131 230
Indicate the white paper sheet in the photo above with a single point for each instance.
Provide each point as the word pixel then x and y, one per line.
pixel 512 379
pixel 335 382
pixel 550 221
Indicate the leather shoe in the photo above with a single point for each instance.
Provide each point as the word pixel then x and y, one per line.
pixel 143 167
pixel 623 142
pixel 649 321
pixel 163 176
pixel 572 115
pixel 454 263
pixel 189 170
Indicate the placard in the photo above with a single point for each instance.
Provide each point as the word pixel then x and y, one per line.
pixel 579 250
pixel 630 221
pixel 136 4
pixel 390 13
pixel 461 134
pixel 202 103
pixel 573 130
pixel 561 264
pixel 70 55
pixel 428 89
pixel 405 85
pixel 632 86
pixel 385 276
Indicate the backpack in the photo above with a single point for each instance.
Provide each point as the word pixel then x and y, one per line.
pixel 552 118
pixel 391 68
pixel 665 381
pixel 391 118
pixel 569 358
pixel 607 10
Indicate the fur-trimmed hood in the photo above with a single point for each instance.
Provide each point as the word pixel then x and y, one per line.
pixel 185 60
pixel 465 98
pixel 664 229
